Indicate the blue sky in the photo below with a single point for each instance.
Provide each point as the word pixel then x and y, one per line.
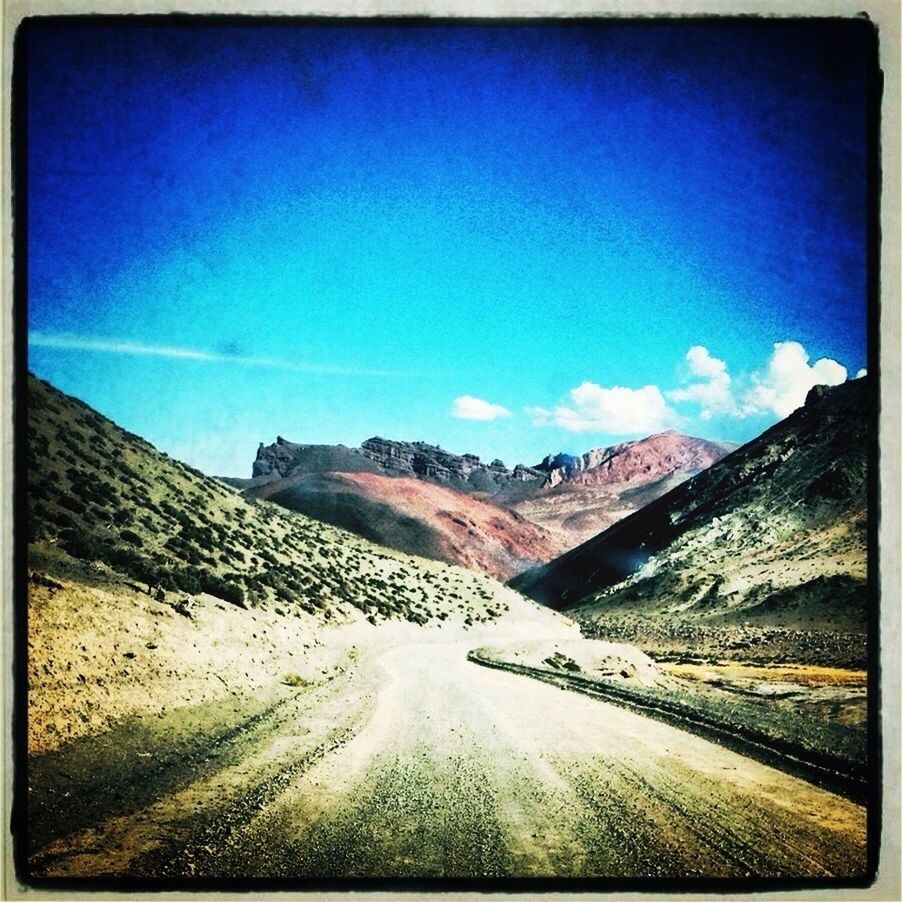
pixel 505 239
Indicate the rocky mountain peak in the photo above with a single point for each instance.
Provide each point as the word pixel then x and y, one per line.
pixel 628 463
pixel 637 462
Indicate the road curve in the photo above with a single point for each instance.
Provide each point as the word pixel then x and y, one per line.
pixel 418 763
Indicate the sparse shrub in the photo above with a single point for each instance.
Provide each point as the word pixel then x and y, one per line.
pixel 72 504
pixel 186 581
pixel 83 544
pixel 227 591
pixel 131 537
pixel 62 518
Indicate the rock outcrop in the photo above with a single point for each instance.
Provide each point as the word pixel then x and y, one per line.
pixel 286 458
pixel 465 472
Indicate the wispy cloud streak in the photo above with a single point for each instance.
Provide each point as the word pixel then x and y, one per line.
pixel 69 342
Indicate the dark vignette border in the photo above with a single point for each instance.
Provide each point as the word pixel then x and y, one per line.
pixel 19 156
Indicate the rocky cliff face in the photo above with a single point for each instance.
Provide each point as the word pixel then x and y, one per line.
pixel 465 472
pixel 286 458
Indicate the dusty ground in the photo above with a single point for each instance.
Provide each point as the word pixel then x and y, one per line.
pixel 404 759
pixel 591 658
pixel 99 653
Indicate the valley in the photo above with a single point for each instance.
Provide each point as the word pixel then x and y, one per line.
pixel 222 688
pixel 452 452
pixel 405 760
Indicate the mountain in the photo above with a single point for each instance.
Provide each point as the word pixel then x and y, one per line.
pixel 635 463
pixel 419 517
pixel 104 503
pixel 583 495
pixel 424 500
pixel 464 472
pixel 775 533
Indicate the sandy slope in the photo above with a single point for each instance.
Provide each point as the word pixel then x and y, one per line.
pixel 420 517
pixel 411 761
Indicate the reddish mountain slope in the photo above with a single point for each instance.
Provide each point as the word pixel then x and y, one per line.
pixel 585 495
pixel 419 517
pixel 425 500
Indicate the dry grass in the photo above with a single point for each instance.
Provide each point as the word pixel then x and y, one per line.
pixel 803 674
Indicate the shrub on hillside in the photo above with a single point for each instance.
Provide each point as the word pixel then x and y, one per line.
pixel 72 504
pixel 186 580
pixel 83 544
pixel 131 537
pixel 62 519
pixel 227 591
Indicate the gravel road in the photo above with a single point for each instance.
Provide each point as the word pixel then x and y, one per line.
pixel 413 762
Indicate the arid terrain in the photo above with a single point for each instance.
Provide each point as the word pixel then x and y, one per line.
pixel 419 517
pixel 398 757
pixel 421 499
pixel 774 534
pixel 219 687
pixel 582 496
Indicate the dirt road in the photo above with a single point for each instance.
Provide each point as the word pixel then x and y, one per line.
pixel 414 762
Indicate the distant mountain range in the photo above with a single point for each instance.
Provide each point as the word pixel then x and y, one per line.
pixel 774 534
pixel 425 500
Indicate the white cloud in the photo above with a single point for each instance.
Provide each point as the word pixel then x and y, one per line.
pixel 779 387
pixel 541 416
pixel 701 363
pixel 466 407
pixel 862 372
pixel 616 410
pixel 787 379
pixel 715 393
pixel 69 342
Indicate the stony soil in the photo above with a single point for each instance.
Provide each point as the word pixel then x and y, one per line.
pixel 406 760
